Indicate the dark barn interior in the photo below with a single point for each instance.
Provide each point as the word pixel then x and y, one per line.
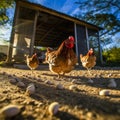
pixel 50 30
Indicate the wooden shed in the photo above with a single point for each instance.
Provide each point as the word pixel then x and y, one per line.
pixel 36 25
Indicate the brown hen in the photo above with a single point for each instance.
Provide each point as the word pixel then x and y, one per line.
pixel 32 62
pixel 88 60
pixel 64 59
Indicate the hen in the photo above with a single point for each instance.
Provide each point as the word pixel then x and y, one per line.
pixel 63 59
pixel 89 60
pixel 32 62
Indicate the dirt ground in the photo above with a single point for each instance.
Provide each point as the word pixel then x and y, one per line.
pixel 81 102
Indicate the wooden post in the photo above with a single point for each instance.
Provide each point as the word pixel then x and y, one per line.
pixel 76 39
pixel 88 47
pixel 10 48
pixel 100 49
pixel 33 35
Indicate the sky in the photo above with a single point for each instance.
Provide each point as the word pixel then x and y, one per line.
pixel 65 6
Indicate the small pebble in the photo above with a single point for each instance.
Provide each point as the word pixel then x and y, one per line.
pixel 109 75
pixel 53 108
pixel 72 87
pixel 89 114
pixel 20 84
pixel 90 81
pixel 48 82
pixel 13 81
pixel 112 84
pixel 59 86
pixel 76 81
pixel 40 104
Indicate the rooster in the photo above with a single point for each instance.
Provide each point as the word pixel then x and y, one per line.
pixel 89 60
pixel 32 62
pixel 63 59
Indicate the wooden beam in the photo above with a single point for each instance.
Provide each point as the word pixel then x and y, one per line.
pixel 76 39
pixel 88 47
pixel 25 22
pixel 33 35
pixel 100 49
pixel 10 48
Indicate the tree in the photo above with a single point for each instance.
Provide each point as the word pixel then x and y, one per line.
pixel 4 5
pixel 112 55
pixel 104 13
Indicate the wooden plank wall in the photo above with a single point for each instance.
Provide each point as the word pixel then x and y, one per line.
pixel 81 40
pixel 23 39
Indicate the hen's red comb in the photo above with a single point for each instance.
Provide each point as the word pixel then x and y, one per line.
pixel 71 38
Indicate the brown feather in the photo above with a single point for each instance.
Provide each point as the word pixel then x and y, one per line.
pixel 32 62
pixel 88 60
pixel 61 60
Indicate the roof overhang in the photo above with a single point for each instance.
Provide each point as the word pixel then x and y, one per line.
pixel 58 14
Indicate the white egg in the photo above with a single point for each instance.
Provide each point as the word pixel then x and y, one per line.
pixel 104 92
pixel 53 108
pixel 30 89
pixel 10 110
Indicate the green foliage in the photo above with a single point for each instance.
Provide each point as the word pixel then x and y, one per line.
pixel 43 48
pixel 4 5
pixel 112 56
pixel 104 13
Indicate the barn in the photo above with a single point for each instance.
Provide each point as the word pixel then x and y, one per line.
pixel 36 25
